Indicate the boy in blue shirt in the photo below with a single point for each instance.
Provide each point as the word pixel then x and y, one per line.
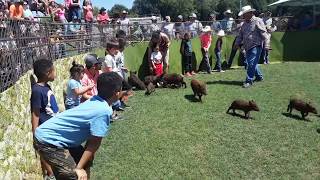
pixel 59 139
pixel 43 103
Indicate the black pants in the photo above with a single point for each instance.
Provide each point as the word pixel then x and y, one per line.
pixel 187 63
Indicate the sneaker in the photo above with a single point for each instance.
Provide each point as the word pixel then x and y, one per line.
pixel 116 117
pixel 258 80
pixel 221 71
pixel 120 109
pixel 193 73
pixel 187 74
pixel 246 85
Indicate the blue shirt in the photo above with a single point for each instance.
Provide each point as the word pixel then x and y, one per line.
pixel 73 127
pixel 187 47
pixel 42 98
pixel 72 99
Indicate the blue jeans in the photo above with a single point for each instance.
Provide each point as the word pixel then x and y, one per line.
pixel 218 56
pixel 252 58
pixel 75 11
pixel 116 105
pixel 206 60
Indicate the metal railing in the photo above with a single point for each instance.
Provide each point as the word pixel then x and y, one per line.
pixel 23 42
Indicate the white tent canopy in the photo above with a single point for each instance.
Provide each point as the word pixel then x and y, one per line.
pixel 296 3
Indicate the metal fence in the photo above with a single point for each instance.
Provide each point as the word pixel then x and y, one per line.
pixel 23 42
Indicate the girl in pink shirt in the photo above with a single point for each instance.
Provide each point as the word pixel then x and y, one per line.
pixel 103 17
pixel 88 11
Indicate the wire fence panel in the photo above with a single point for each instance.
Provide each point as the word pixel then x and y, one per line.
pixel 23 42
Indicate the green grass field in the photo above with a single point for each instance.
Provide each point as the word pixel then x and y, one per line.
pixel 166 136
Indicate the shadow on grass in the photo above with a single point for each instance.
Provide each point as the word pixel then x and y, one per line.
pixel 191 98
pixel 294 116
pixel 233 83
pixel 240 116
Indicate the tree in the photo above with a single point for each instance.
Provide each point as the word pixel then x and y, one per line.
pixel 116 10
pixel 146 7
pixel 96 10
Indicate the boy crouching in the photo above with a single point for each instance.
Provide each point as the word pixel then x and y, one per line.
pixel 59 139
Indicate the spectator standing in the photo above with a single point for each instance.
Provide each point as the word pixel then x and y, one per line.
pixel 193 26
pixel 228 22
pixel 167 27
pixel 234 49
pixel 154 26
pixel 267 19
pixel 103 17
pixel 124 22
pixel 186 52
pixel 16 10
pixel 179 28
pixel 215 25
pixel 60 13
pixel 27 14
pixel 252 35
pixel 206 39
pixel 75 9
pixel 218 50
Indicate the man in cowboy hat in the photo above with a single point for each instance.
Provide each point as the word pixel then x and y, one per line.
pixel 228 21
pixel 154 26
pixel 252 35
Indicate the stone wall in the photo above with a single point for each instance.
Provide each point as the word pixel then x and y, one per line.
pixel 17 156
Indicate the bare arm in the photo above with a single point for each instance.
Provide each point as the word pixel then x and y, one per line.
pixel 92 145
pixel 35 119
pixel 83 90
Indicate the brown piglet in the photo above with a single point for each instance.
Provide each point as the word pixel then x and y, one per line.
pixel 301 106
pixel 199 88
pixel 245 106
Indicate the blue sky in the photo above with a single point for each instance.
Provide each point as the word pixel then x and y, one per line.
pixel 107 3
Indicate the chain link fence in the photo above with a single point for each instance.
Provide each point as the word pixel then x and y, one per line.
pixel 23 42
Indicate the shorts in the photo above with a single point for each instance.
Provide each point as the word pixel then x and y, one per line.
pixel 62 161
pixel 158 71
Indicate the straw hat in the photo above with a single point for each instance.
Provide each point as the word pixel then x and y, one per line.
pixel 246 9
pixel 221 33
pixel 124 12
pixel 206 29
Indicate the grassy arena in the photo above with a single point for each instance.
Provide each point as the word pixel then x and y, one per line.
pixel 167 136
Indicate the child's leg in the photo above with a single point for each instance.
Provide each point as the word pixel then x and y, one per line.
pixel 59 159
pixel 189 60
pixel 206 60
pixel 186 64
pixel 218 56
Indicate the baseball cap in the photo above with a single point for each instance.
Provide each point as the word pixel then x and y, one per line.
pixel 90 59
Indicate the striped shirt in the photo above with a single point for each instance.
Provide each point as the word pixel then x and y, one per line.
pixel 252 33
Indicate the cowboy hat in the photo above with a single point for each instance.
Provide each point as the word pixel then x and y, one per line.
pixel 193 15
pixel 206 29
pixel 246 9
pixel 124 12
pixel 180 17
pixel 221 33
pixel 228 12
